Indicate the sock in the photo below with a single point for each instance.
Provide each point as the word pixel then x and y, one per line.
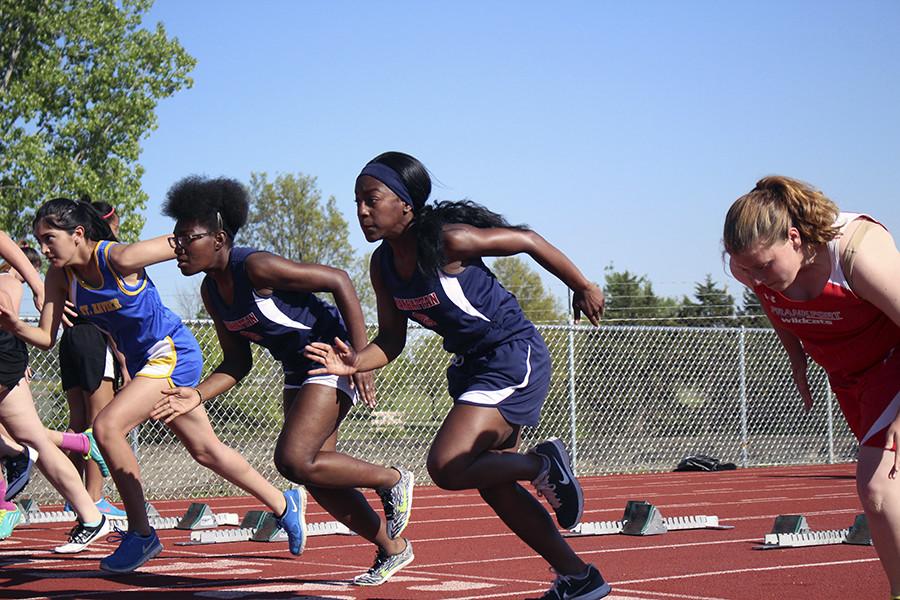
pixel 4 505
pixel 76 442
pixel 93 523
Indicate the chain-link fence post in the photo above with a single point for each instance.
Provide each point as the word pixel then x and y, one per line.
pixel 742 373
pixel 135 437
pixel 570 365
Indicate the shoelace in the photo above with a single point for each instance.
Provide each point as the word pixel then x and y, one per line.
pixel 380 559
pixel 546 489
pixel 558 581
pixel 117 535
pixel 81 533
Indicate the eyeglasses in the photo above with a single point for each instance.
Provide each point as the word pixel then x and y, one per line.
pixel 183 241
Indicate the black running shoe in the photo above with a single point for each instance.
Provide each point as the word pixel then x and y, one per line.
pixel 588 586
pixel 558 483
pixel 18 471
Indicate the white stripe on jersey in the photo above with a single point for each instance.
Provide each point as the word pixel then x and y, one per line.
pixel 457 296
pixel 886 418
pixel 270 310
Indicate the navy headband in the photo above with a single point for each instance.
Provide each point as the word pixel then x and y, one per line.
pixel 391 179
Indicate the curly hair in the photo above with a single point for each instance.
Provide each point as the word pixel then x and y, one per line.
pixel 214 203
pixel 768 211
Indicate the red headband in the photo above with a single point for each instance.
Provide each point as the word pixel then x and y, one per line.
pixel 111 212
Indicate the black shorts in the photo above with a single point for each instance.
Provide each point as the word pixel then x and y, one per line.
pixel 82 357
pixel 13 360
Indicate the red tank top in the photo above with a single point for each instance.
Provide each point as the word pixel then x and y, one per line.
pixel 845 334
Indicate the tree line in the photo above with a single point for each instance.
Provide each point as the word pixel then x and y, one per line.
pixel 79 87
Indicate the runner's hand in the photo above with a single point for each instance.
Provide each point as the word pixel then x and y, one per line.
pixel 174 403
pixel 802 383
pixel 365 386
pixel 69 313
pixel 9 317
pixel 38 299
pixel 339 359
pixel 892 442
pixel 589 301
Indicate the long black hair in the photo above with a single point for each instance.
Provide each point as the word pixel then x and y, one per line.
pixel 214 203
pixel 67 214
pixel 429 219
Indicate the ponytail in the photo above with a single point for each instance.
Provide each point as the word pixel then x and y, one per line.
pixel 66 214
pixel 429 223
pixel 765 214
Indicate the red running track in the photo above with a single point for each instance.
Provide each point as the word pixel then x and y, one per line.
pixel 464 552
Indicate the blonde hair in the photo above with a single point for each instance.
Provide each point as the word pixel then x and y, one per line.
pixel 777 203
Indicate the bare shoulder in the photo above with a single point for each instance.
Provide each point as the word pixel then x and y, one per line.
pixel 9 284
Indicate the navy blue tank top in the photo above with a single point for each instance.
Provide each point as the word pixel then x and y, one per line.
pixel 470 309
pixel 283 323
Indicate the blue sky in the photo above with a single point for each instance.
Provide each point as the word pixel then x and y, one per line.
pixel 619 131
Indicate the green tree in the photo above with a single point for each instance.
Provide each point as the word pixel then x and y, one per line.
pixel 289 217
pixel 712 306
pixel 630 300
pixel 751 312
pixel 359 273
pixel 79 85
pixel 539 305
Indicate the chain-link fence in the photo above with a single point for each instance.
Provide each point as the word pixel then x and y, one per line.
pixel 623 398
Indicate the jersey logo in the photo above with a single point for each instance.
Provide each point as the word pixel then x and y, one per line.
pixel 98 308
pixel 253 337
pixel 424 320
pixel 798 316
pixel 243 323
pixel 420 303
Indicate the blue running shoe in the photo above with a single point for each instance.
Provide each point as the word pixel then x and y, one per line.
pixel 294 519
pixel 110 510
pixel 93 453
pixel 133 551
pixel 18 471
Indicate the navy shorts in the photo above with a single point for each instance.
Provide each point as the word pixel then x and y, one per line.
pixel 513 378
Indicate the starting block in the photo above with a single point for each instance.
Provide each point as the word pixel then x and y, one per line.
pixel 792 531
pixel 261 526
pixel 643 518
pixel 198 516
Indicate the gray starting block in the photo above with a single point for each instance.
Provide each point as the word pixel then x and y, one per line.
pixel 265 530
pixel 792 531
pixel 643 518
pixel 198 516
